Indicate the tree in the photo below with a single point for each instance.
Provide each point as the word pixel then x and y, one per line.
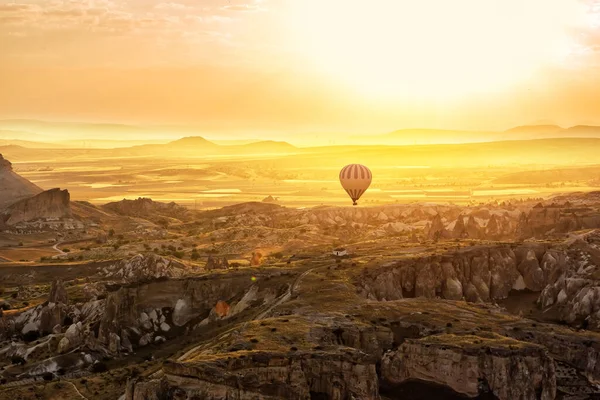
pixel 99 367
pixel 17 360
pixel 111 232
pixel 179 254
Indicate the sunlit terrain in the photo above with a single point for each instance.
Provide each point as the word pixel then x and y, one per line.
pixel 461 174
pixel 300 199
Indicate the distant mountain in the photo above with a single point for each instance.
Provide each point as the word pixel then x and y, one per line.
pixel 53 131
pixel 197 145
pixel 584 130
pixel 554 131
pixel 424 136
pixel 440 136
pixel 193 146
pixel 105 144
pixel 535 129
pixel 32 145
pixel 191 142
pixel 235 142
pixel 14 187
pixel 89 131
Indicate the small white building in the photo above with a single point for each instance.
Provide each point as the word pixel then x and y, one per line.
pixel 340 252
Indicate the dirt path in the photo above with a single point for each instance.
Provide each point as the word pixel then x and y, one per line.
pixel 76 390
pixel 55 247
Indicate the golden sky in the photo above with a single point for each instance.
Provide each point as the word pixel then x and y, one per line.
pixel 302 65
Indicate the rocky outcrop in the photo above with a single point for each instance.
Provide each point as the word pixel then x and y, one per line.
pixel 459 230
pixel 542 221
pixel 148 310
pixel 270 199
pixel 72 338
pixel 269 376
pixel 472 274
pixel 573 289
pixel 216 263
pixel 51 204
pixel 493 229
pixel 148 208
pixel 437 229
pixel 58 293
pixel 13 187
pixel 472 365
pixel 533 275
pixel 142 267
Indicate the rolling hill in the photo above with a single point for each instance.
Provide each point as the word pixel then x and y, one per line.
pixel 440 136
pixel 186 147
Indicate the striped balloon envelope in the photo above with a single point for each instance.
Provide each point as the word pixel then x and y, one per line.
pixel 355 179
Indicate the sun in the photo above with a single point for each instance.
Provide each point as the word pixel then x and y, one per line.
pixel 430 48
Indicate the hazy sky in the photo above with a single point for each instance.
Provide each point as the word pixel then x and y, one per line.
pixel 302 65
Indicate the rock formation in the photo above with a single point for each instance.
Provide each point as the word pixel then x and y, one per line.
pixel 269 376
pixel 459 230
pixel 58 293
pixel 145 207
pixel 472 274
pixel 141 268
pixel 473 229
pixel 216 263
pixel 573 288
pixel 140 310
pixel 437 230
pixel 51 204
pixel 270 199
pixel 542 221
pixel 13 187
pixel 45 318
pixel 256 258
pixel 472 365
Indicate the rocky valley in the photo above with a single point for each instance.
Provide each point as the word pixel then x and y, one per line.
pixel 139 299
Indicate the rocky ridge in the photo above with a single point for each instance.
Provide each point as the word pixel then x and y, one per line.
pixel 50 205
pixel 13 187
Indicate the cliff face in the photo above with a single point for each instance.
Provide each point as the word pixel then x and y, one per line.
pixel 470 365
pixel 541 221
pixel 575 293
pixel 143 312
pixel 12 186
pixel 54 203
pixel 340 358
pixel 270 376
pixel 473 274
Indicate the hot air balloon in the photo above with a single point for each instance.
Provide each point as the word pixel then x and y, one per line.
pixel 355 179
